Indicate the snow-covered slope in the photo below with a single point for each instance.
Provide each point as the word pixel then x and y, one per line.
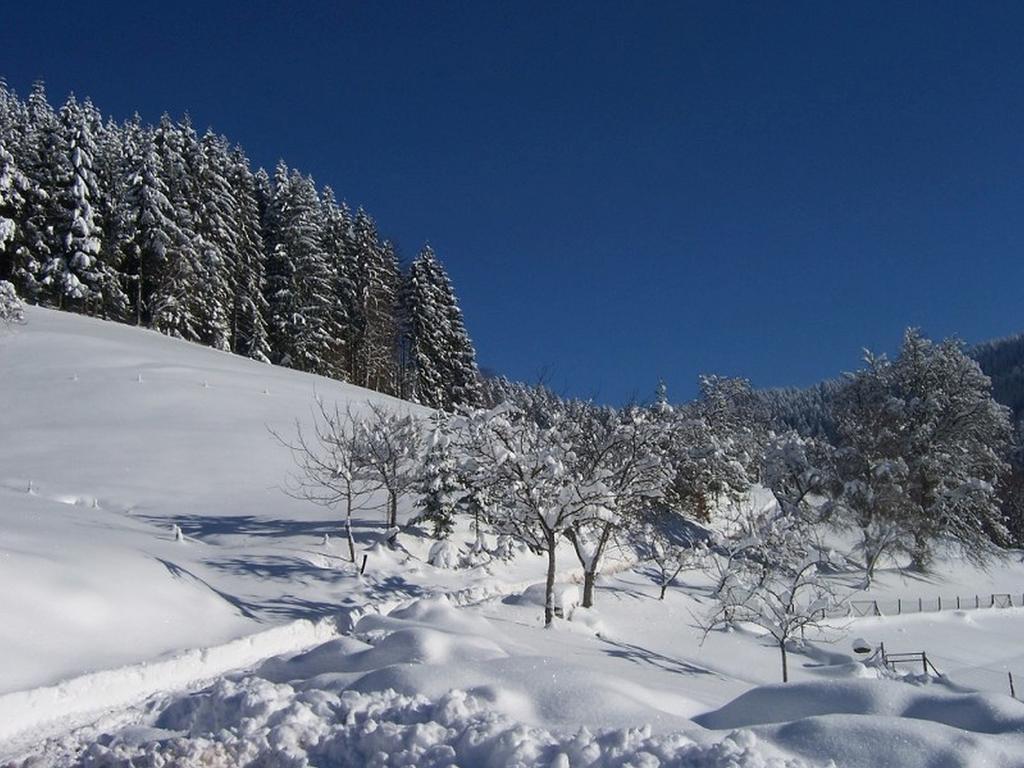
pixel 111 436
pixel 254 640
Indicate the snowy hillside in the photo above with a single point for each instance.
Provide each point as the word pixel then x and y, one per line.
pixel 250 637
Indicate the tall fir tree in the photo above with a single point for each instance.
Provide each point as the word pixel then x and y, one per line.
pixel 172 300
pixel 298 277
pixel 249 308
pixel 338 252
pixel 32 152
pixel 441 355
pixel 74 272
pixel 373 344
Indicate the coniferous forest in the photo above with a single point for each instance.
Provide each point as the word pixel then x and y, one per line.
pixel 164 228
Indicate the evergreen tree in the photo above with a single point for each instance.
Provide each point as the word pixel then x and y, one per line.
pixel 440 484
pixel 218 240
pixel 32 152
pixel 74 272
pixel 150 230
pixel 249 308
pixel 337 225
pixel 11 185
pixel 441 356
pixel 373 344
pixel 299 281
pixel 172 301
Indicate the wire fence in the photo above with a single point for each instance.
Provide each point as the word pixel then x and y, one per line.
pixel 997 677
pixel 933 604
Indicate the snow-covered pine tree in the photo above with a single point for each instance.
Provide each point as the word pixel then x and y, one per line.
pixel 32 145
pixel 441 356
pixel 440 483
pixel 373 345
pixel 111 142
pixel 298 277
pixel 12 181
pixel 424 332
pixel 337 224
pixel 150 229
pixel 463 375
pixel 11 185
pixel 249 308
pixel 172 303
pixel 216 226
pixel 73 273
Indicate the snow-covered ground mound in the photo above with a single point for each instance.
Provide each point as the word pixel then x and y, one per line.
pixel 250 638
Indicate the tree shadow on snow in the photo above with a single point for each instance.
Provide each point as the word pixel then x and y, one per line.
pixel 200 527
pixel 640 655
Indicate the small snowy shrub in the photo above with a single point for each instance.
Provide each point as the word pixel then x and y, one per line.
pixel 11 308
pixel 444 554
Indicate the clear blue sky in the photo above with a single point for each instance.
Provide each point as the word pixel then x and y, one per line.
pixel 621 192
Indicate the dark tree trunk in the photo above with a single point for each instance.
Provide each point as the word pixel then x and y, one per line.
pixel 348 532
pixel 549 590
pixel 589 577
pixel 785 664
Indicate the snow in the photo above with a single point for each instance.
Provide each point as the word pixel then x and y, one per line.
pixel 250 637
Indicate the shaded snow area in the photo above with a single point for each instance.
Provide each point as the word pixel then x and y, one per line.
pixel 249 639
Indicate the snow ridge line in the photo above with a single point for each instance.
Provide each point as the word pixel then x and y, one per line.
pixel 28 717
pixel 72 702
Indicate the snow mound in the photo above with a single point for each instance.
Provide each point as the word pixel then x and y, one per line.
pixel 983 713
pixel 880 722
pixel 567 597
pixel 255 722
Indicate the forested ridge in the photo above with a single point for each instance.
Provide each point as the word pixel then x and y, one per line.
pixel 808 410
pixel 164 228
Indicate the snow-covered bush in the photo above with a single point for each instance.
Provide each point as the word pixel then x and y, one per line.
pixel 443 554
pixel 11 308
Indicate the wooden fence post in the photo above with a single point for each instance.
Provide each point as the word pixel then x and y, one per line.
pixel 1013 693
pixel 958 602
pixel 920 605
pixel 940 602
pixel 899 605
pixel 977 602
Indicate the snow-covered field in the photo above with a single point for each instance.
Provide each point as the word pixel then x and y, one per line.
pixel 253 638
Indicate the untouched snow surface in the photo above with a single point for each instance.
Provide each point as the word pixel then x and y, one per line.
pixel 254 641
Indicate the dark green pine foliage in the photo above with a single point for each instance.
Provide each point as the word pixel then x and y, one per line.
pixel 117 148
pixel 441 355
pixel 150 231
pixel 154 226
pixel 373 336
pixel 299 282
pixel 218 243
pixel 440 486
pixel 74 273
pixel 338 251
pixel 173 300
pixel 32 151
pixel 249 307
pixel 13 183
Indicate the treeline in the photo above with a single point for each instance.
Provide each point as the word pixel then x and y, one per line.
pixel 157 226
pixel 809 411
pixel 917 467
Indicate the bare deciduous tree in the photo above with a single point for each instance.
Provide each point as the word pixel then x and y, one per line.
pixel 332 464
